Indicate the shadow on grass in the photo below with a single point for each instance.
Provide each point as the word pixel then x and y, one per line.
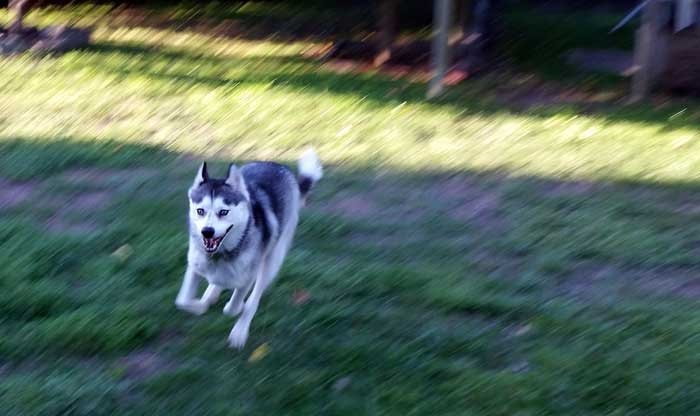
pixel 279 20
pixel 441 214
pixel 403 274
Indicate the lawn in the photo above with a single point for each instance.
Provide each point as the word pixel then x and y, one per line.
pixel 461 257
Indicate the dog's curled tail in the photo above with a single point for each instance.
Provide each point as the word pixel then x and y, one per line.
pixel 310 171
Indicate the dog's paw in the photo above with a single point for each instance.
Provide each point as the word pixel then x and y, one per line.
pixel 233 310
pixel 196 307
pixel 238 336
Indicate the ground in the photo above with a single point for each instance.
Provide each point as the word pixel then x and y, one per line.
pixel 489 253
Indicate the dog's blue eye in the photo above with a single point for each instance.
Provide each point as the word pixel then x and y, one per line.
pixel 200 211
pixel 223 213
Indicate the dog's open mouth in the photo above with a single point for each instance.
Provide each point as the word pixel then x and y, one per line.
pixel 212 244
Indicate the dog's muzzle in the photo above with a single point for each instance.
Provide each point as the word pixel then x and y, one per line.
pixel 211 243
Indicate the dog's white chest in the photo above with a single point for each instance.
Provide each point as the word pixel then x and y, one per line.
pixel 227 274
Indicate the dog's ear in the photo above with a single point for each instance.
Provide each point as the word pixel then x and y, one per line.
pixel 235 179
pixel 202 175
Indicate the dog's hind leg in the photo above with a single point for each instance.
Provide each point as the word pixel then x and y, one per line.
pixel 186 297
pixel 211 295
pixel 266 274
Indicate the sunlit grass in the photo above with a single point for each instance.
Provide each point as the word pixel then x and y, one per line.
pixel 252 99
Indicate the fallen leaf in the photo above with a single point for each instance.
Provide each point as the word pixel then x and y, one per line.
pixel 259 353
pixel 301 297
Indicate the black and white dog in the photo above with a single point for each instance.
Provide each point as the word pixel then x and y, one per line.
pixel 241 228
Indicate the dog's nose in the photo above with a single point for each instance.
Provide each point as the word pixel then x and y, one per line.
pixel 207 232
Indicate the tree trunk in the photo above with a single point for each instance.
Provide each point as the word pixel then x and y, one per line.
pixel 649 52
pixel 440 49
pixel 388 19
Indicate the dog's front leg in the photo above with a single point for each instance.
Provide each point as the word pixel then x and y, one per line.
pixel 186 297
pixel 211 295
pixel 235 305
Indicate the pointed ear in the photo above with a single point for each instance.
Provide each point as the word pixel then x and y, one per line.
pixel 202 175
pixel 235 179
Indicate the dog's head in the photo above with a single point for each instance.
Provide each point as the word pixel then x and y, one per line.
pixel 218 206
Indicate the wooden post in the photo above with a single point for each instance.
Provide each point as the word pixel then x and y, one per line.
pixel 441 26
pixel 387 30
pixel 649 52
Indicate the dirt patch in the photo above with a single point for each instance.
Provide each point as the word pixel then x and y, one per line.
pixel 573 188
pixel 72 212
pixel 15 193
pixel 86 204
pixel 141 365
pixel 75 214
pixel 352 206
pixel 91 200
pixel 497 264
pixel 104 177
pixel 466 199
pixel 72 203
pixel 690 289
pixel 151 360
pixel 480 209
pixel 385 241
pixel 58 225
pixel 671 282
pixel 591 281
pixel 462 198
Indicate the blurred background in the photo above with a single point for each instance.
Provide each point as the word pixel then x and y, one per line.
pixel 509 222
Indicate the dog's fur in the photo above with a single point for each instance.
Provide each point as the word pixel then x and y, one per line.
pixel 241 228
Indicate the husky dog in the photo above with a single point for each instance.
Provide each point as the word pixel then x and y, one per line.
pixel 240 230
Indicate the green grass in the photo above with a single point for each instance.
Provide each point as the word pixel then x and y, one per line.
pixel 459 257
pixel 535 48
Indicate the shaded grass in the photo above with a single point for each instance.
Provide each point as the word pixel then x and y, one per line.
pixel 565 31
pixel 416 305
pixel 412 327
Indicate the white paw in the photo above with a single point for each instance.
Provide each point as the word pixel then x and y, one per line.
pixel 233 310
pixel 196 307
pixel 238 336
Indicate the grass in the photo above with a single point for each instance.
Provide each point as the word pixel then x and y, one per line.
pixel 458 258
pixel 566 30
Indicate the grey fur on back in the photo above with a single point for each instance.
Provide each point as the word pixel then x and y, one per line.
pixel 273 188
